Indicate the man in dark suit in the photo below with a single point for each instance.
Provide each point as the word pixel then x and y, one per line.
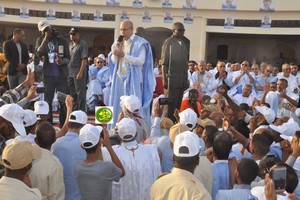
pixel 17 57
pixel 174 67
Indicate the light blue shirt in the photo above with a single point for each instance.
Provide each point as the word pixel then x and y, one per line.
pixel 239 192
pixel 163 144
pixel 221 178
pixel 68 150
pixel 260 81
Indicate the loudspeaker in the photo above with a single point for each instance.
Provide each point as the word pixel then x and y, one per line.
pixel 222 52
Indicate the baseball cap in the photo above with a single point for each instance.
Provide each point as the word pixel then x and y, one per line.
pixel 41 108
pixel 101 56
pixel 14 114
pixel 188 117
pixel 43 24
pixel 89 135
pixel 206 122
pixel 19 154
pixel 186 144
pixel 74 31
pixel 268 113
pixel 30 118
pixel 259 192
pixel 210 107
pixel 286 130
pixel 78 116
pixel 176 130
pixel 126 127
pixel 132 103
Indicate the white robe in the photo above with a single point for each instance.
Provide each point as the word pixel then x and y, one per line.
pixel 141 170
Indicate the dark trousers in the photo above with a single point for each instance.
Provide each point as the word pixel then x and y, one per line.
pixel 177 94
pixel 53 83
pixel 77 89
pixel 15 80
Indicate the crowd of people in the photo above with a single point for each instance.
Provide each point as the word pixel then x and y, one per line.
pixel 181 129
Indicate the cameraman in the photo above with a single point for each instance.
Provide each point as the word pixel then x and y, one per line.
pixel 55 50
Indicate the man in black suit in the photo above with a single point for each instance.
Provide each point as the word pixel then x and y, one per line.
pixel 17 57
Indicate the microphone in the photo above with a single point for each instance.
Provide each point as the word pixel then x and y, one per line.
pixel 120 39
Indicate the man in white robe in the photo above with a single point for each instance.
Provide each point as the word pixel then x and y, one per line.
pixel 141 164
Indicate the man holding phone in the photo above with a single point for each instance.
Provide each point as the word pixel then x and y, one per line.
pixel 55 49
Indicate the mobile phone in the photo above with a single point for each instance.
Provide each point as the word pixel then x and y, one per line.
pixel 213 101
pixel 279 178
pixel 40 90
pixel 226 124
pixel 166 101
pixel 61 96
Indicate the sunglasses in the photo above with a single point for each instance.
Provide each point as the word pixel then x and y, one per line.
pixel 124 29
pixel 100 62
pixel 180 30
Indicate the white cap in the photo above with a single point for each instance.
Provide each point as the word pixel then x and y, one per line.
pixel 43 24
pixel 89 135
pixel 30 118
pixel 268 113
pixel 41 108
pixel 259 192
pixel 186 144
pixel 101 56
pixel 78 116
pixel 14 114
pixel 126 127
pixel 286 130
pixel 132 103
pixel 188 117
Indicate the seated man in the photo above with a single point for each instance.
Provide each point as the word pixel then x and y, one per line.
pixel 192 102
pixel 240 78
pixel 246 96
pixel 281 100
pixel 99 78
pixel 202 79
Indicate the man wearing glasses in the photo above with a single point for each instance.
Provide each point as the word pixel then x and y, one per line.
pixel 77 69
pixel 241 77
pixel 291 79
pixel 131 64
pixel 99 80
pixel 175 57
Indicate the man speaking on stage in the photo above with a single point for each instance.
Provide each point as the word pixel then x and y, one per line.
pixel 131 65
